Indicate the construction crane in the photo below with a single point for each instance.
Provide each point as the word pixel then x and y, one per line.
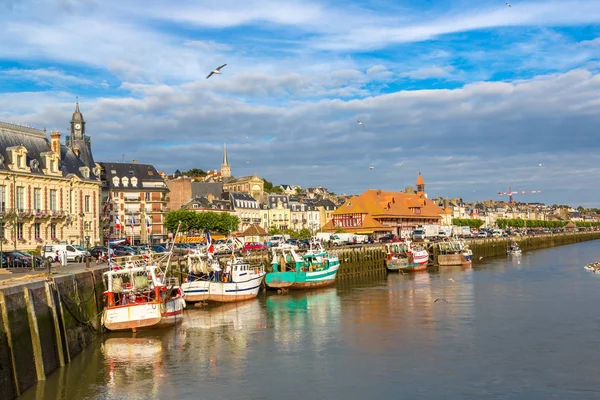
pixel 510 193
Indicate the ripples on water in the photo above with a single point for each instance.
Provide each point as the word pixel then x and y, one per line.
pixel 520 328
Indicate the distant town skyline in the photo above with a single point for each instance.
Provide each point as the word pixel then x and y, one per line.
pixel 478 97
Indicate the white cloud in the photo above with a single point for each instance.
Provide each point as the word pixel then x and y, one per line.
pixel 485 135
pixel 43 76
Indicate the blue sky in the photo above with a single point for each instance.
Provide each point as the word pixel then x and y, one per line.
pixel 475 95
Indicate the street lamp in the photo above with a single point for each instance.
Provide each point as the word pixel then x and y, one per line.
pixel 82 215
pixel 14 176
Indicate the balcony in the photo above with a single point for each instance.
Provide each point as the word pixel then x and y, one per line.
pixel 32 213
pixel 132 199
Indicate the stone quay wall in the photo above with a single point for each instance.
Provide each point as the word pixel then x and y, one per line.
pixel 44 324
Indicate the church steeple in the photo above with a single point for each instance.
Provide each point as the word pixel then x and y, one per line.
pixel 225 168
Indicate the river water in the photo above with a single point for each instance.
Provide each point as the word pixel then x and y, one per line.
pixel 525 327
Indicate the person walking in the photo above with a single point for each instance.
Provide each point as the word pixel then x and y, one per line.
pixel 57 259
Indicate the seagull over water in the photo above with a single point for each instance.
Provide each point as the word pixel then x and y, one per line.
pixel 216 71
pixel 507 4
pixel 360 123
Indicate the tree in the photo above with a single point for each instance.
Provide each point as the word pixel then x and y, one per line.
pixel 186 217
pixel 273 230
pixel 340 230
pixel 270 188
pixel 304 233
pixel 194 172
pixel 298 190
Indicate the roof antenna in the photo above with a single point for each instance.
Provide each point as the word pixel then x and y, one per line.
pixel 123 158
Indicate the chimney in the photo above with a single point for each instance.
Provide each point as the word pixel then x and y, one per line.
pixel 55 142
pixel 135 161
pixel 76 150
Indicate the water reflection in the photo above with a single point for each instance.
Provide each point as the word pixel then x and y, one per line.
pixel 304 316
pixel 132 359
pixel 507 330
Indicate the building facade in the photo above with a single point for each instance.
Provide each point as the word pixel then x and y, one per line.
pixel 246 209
pixel 304 216
pixel 137 195
pixel 49 192
pixel 276 212
pixel 379 212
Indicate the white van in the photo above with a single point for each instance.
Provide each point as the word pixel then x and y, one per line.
pixel 74 253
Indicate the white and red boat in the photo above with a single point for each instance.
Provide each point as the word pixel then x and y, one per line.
pixel 140 297
pixel 406 257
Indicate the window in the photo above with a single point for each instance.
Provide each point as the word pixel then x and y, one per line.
pixel 37 230
pixel 53 202
pixel 53 231
pixel 125 181
pixel 37 199
pixel 2 198
pixel 87 204
pixel 134 181
pixel 20 198
pixel 147 196
pixel 19 230
pixel 115 181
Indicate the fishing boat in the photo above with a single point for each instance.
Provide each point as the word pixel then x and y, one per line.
pixel 454 252
pixel 139 297
pixel 513 249
pixel 406 257
pixel 316 268
pixel 207 281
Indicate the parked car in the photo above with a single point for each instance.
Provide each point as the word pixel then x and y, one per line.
pixel 303 243
pixel 251 246
pixel 121 251
pixel 388 238
pixel 73 254
pixel 98 251
pixel 482 234
pixel 157 248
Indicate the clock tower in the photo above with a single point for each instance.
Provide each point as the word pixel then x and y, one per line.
pixel 78 141
pixel 77 124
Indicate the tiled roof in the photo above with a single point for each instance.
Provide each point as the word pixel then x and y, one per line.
pixel 147 176
pixel 379 203
pixel 36 143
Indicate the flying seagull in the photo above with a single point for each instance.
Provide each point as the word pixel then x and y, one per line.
pixel 371 166
pixel 360 123
pixel 216 71
pixel 507 4
pixel 399 164
pixel 540 164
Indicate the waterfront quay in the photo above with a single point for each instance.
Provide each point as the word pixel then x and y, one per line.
pixel 46 320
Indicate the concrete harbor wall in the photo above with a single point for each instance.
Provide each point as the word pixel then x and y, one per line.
pixel 44 324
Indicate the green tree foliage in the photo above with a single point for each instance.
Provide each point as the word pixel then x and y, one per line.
pixel 198 222
pixel 194 172
pixel 340 230
pixel 304 233
pixel 270 188
pixel 273 230
pixel 471 223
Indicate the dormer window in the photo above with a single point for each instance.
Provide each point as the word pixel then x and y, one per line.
pixel 125 181
pixel 115 181
pixel 134 181
pixel 85 172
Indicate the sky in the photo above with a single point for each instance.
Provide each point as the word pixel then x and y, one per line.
pixel 477 96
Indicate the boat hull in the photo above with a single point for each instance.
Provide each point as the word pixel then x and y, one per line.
pixel 143 315
pixel 302 280
pixel 450 259
pixel 222 292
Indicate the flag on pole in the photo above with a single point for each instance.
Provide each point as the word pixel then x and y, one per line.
pixel 209 247
pixel 117 222
pixel 132 224
pixel 147 225
pixel 106 205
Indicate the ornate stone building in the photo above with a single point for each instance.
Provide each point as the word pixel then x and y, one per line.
pixel 49 192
